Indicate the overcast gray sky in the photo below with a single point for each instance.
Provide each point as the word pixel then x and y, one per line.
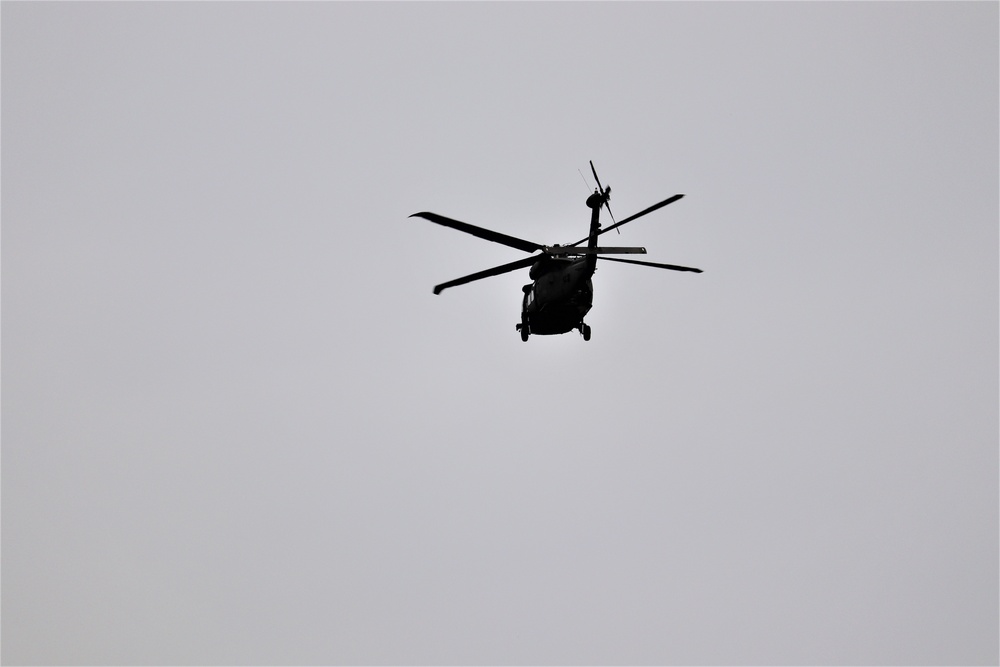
pixel 238 427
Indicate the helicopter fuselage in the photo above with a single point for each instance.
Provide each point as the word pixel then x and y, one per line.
pixel 560 296
pixel 562 292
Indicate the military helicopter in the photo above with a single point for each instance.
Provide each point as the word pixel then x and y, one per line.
pixel 561 293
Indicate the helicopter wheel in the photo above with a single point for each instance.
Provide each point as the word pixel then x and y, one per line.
pixel 585 330
pixel 524 334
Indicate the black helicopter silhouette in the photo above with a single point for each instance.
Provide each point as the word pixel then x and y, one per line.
pixel 562 292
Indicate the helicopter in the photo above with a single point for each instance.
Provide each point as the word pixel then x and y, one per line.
pixel 561 292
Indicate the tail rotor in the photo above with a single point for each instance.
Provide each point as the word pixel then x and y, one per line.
pixel 604 192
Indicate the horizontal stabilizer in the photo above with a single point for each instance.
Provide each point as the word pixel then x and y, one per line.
pixel 609 250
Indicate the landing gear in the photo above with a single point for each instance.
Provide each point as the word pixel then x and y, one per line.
pixel 525 332
pixel 585 330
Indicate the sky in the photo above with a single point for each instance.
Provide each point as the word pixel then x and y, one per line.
pixel 239 428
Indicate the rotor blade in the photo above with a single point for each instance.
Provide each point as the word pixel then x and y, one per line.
pixel 669 200
pixel 495 271
pixel 606 194
pixel 608 250
pixel 600 187
pixel 489 235
pixel 672 267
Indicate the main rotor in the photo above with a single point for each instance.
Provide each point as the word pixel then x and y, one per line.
pixel 600 198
